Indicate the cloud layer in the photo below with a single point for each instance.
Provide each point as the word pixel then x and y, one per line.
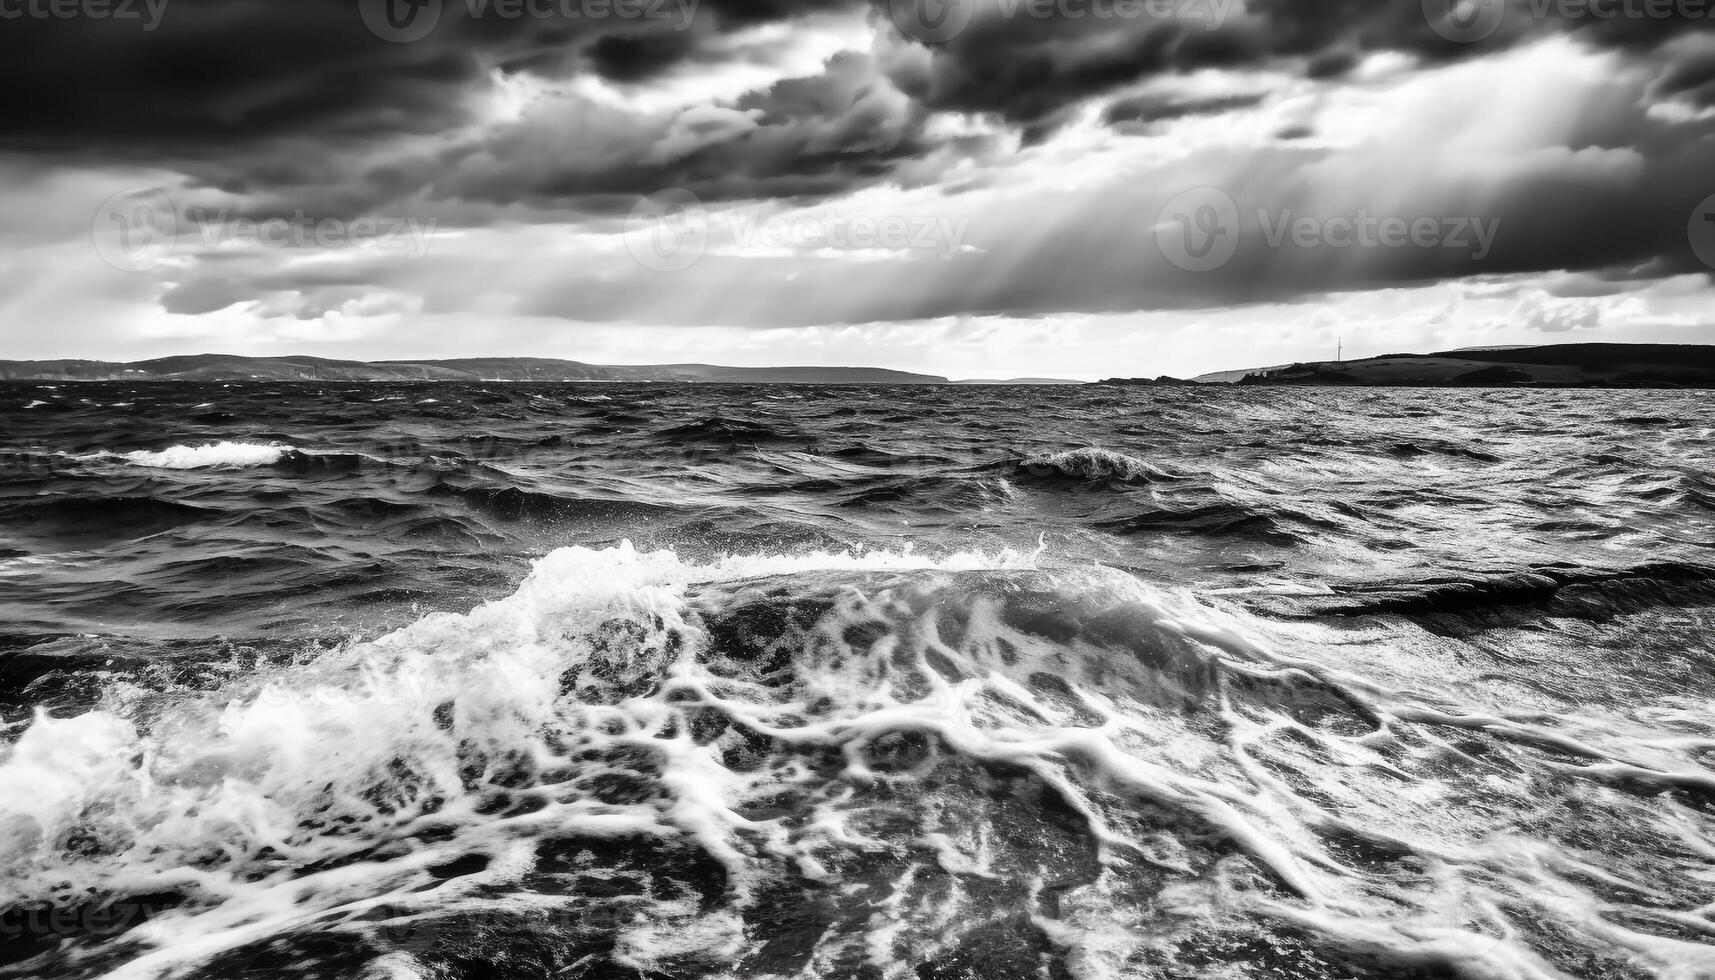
pixel 848 163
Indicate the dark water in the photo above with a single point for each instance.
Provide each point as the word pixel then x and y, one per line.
pixel 642 681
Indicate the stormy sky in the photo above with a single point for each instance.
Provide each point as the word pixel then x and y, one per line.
pixel 976 188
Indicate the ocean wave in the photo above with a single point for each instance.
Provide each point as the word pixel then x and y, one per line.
pixel 641 763
pixel 1452 723
pixel 722 429
pixel 88 520
pixel 956 492
pixel 300 462
pixel 1584 592
pixel 1217 520
pixel 214 455
pixel 1092 464
pixel 517 503
pixel 427 739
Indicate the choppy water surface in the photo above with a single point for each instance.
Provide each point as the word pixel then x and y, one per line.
pixel 641 681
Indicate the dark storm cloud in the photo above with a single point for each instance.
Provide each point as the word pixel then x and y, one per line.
pixel 280 107
pixel 216 75
pixel 222 284
pixel 637 57
pixel 212 75
pixel 1159 108
pixel 813 136
pixel 1610 198
pixel 1612 206
pixel 281 101
pixel 1026 60
pixel 301 106
pixel 1691 78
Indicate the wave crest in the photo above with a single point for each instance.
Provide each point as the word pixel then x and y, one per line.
pixel 639 762
pixel 1092 464
pixel 214 455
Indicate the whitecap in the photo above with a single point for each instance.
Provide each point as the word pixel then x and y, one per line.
pixel 216 455
pixel 916 716
pixel 1091 463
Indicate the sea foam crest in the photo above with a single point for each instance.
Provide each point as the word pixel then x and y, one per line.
pixel 1091 463
pixel 215 455
pixel 321 762
pixel 640 758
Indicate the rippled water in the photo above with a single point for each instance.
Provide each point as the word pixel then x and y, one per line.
pixel 438 681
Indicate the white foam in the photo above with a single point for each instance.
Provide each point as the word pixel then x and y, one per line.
pixel 1127 703
pixel 1092 463
pixel 216 455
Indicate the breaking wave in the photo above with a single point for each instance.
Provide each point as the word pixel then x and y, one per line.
pixel 218 455
pixel 833 765
pixel 1092 464
pixel 344 680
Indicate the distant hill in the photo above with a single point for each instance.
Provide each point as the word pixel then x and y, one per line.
pixel 1549 366
pixel 232 367
pixel 1164 381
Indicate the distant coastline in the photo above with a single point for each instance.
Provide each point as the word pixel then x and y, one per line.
pixel 1548 366
pixel 232 367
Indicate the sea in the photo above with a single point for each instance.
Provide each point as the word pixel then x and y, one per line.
pixel 446 680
